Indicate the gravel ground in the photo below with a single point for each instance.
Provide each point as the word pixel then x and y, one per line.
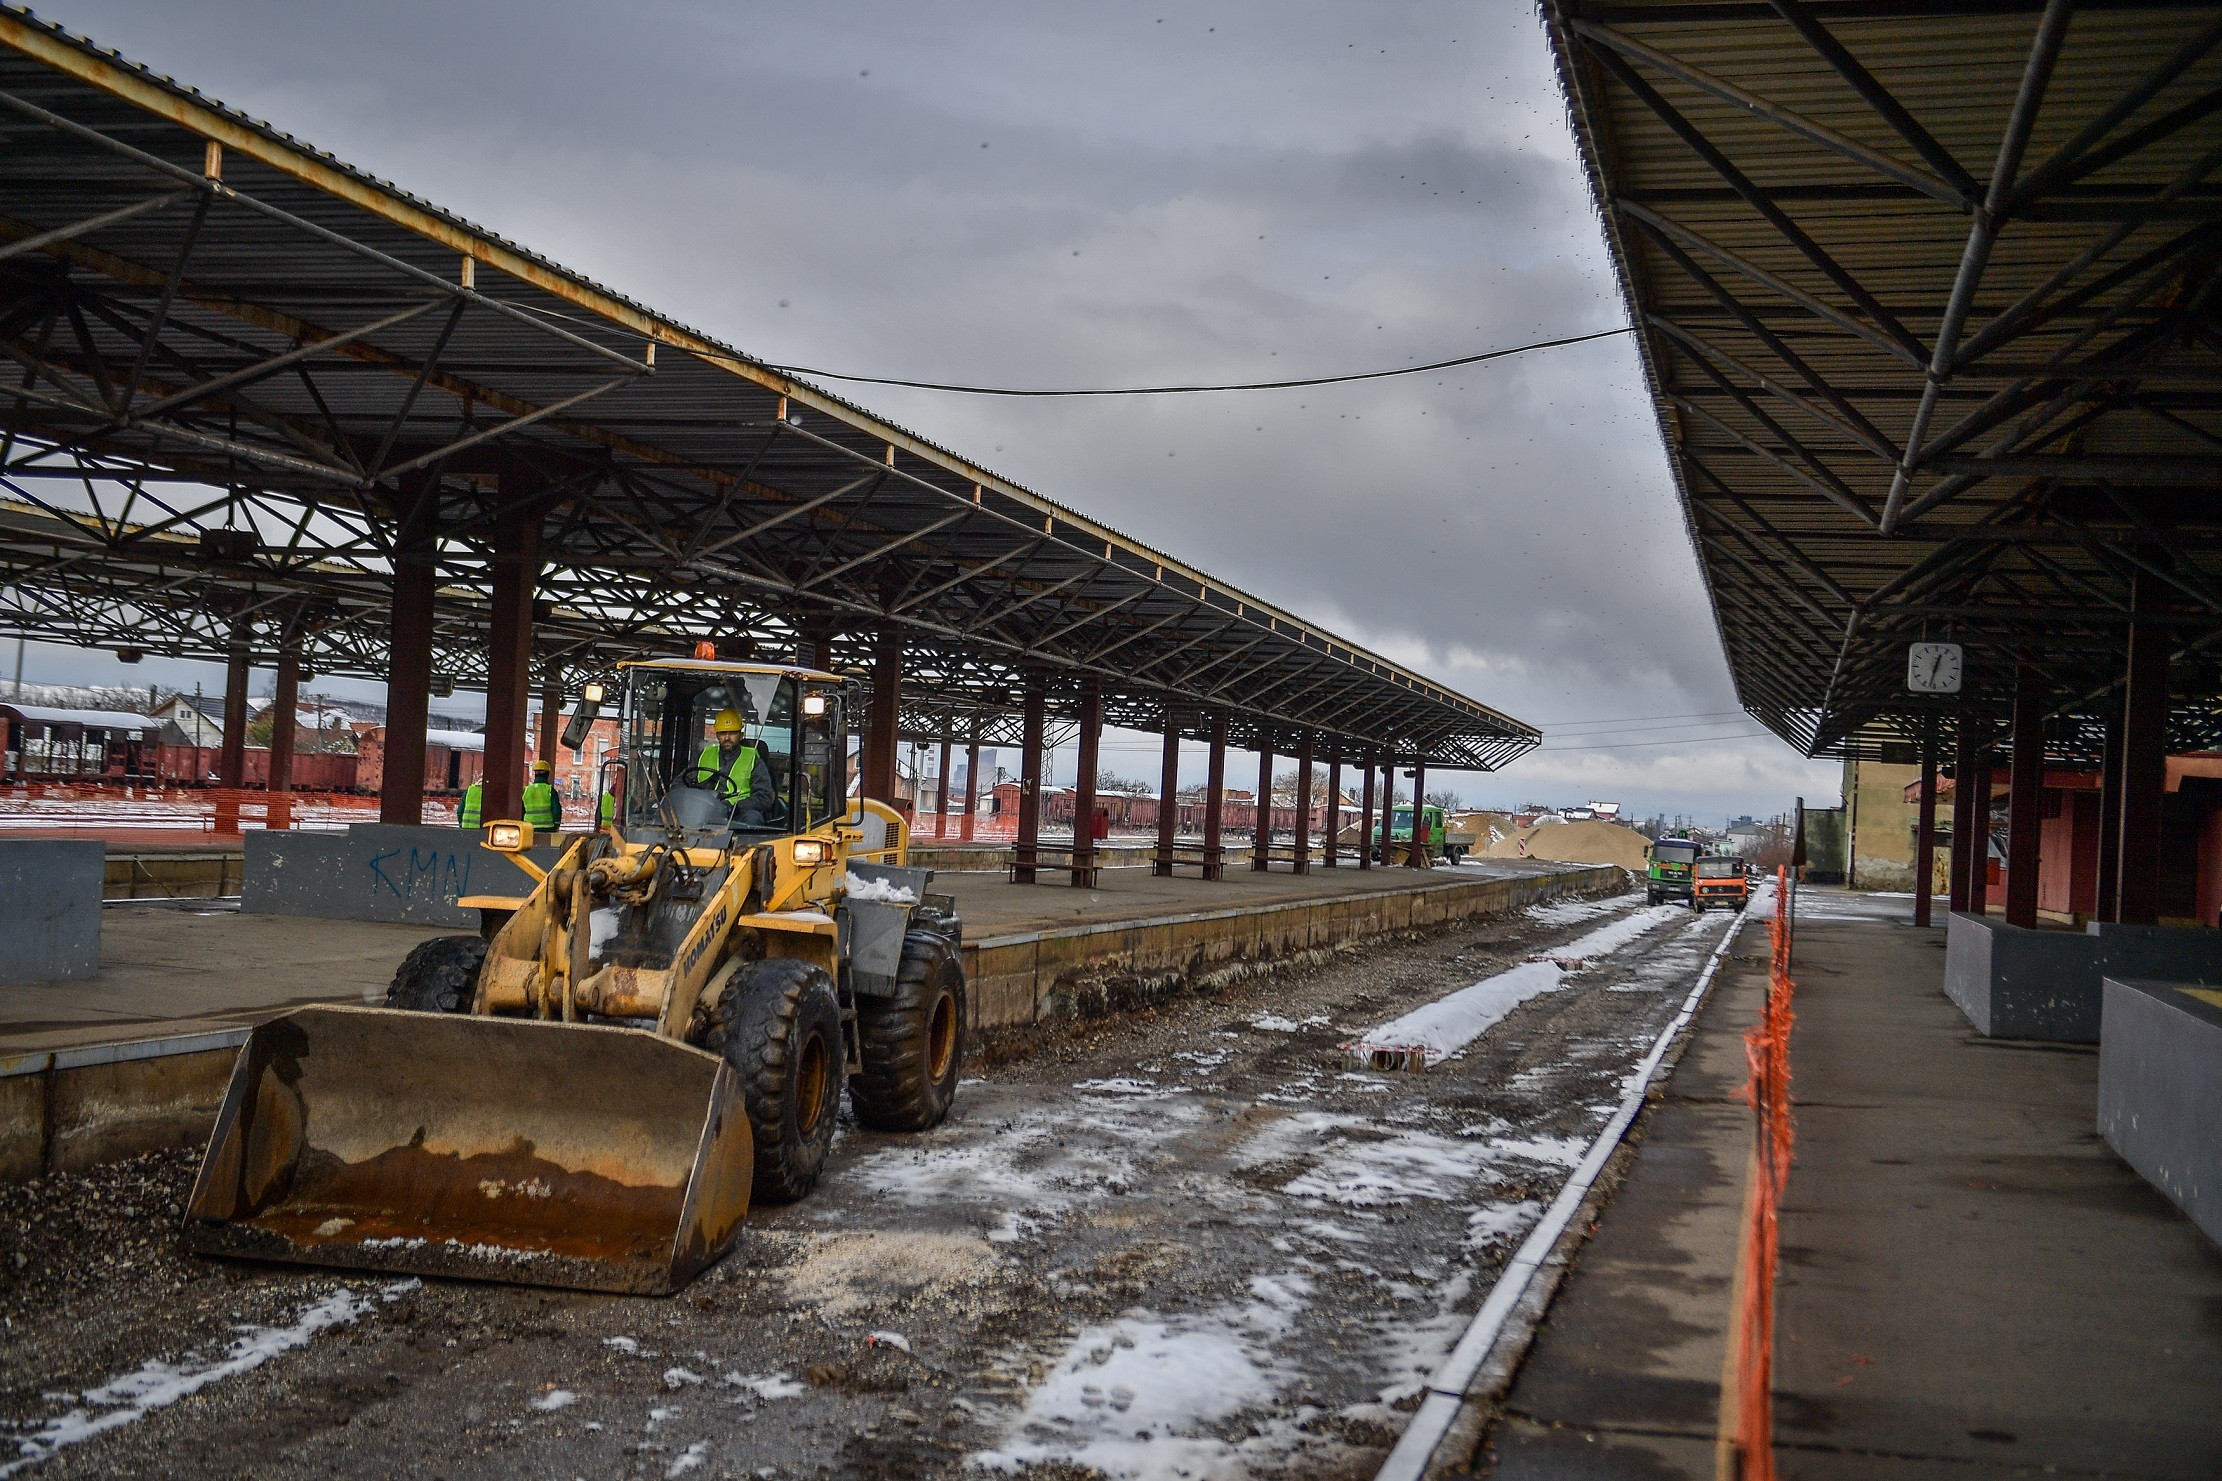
pixel 1194 1240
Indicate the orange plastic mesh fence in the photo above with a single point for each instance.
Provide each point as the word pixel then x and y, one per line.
pixel 1767 1052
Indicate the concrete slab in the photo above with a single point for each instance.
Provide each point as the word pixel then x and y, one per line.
pixel 1971 1281
pixel 53 894
pixel 2160 1090
pixel 182 968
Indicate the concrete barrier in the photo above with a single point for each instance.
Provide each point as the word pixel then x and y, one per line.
pixel 378 871
pixel 2160 1090
pixel 2016 983
pixel 52 888
pixel 65 1110
pixel 1081 971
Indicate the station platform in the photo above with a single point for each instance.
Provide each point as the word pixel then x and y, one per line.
pixel 192 966
pixel 1972 1283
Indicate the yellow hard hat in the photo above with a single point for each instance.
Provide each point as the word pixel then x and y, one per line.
pixel 727 720
pixel 541 768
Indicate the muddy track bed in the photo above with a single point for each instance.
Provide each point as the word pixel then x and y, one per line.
pixel 1196 1239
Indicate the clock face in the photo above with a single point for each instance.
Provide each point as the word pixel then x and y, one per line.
pixel 1933 668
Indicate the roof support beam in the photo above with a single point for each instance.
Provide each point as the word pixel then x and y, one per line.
pixel 2044 51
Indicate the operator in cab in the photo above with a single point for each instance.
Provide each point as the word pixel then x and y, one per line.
pixel 733 766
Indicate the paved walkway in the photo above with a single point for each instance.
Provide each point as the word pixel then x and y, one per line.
pixel 189 966
pixel 1972 1283
pixel 992 906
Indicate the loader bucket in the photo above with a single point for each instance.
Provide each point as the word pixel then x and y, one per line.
pixel 604 1159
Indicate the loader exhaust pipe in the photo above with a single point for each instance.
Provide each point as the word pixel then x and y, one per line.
pixel 504 1149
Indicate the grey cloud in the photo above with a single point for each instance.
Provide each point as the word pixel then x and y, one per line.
pixel 1244 202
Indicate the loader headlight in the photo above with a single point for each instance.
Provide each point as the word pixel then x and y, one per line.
pixel 813 707
pixel 813 851
pixel 510 838
pixel 595 694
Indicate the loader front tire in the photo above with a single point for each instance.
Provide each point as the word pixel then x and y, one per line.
pixel 439 976
pixel 913 1042
pixel 779 1026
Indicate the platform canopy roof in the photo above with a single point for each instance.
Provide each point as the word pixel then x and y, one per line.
pixel 1927 300
pixel 236 357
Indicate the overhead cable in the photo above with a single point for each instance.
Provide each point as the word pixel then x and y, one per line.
pixel 1319 380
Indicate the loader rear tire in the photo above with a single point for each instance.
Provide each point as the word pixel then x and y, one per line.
pixel 439 976
pixel 913 1042
pixel 779 1026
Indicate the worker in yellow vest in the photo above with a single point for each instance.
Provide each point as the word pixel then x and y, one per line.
pixel 467 816
pixel 608 812
pixel 733 767
pixel 543 809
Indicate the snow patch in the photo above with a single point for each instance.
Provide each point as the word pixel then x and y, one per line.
pixel 860 888
pixel 768 1386
pixel 157 1384
pixel 1442 1029
pixel 554 1399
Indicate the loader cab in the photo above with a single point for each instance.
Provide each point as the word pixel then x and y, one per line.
pixel 783 777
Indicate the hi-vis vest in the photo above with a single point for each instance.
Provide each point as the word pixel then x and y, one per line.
pixel 540 805
pixel 609 809
pixel 734 785
pixel 467 816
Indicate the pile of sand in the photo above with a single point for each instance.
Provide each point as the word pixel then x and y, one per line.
pixel 1590 842
pixel 1488 828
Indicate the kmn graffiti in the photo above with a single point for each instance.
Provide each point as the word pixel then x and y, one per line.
pixel 441 874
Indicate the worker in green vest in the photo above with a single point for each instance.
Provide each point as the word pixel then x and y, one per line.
pixel 734 768
pixel 467 815
pixel 543 809
pixel 608 812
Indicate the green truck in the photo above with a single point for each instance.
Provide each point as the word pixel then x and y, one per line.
pixel 1667 877
pixel 1440 841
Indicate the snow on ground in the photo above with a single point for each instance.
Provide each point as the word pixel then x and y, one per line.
pixel 1574 912
pixel 158 1383
pixel 1446 1026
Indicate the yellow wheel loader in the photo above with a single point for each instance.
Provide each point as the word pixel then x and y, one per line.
pixel 590 1091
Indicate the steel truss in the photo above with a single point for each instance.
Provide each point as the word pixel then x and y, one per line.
pixel 233 366
pixel 1934 349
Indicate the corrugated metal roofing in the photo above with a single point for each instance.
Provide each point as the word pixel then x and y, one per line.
pixel 686 488
pixel 1789 192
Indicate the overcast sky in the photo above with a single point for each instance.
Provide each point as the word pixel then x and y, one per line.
pixel 1028 194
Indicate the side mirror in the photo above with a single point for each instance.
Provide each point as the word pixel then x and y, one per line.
pixel 582 718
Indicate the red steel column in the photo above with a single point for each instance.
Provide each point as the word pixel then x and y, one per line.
pixel 1416 856
pixel 2025 799
pixel 941 797
pixel 1084 785
pixel 878 762
pixel 1365 818
pixel 282 710
pixel 1261 834
pixel 2144 772
pixel 2108 906
pixel 1964 761
pixel 409 663
pixel 1215 802
pixel 231 763
pixel 971 783
pixel 1979 832
pixel 1925 836
pixel 1330 840
pixel 1030 782
pixel 509 644
pixel 1303 850
pixel 1168 807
